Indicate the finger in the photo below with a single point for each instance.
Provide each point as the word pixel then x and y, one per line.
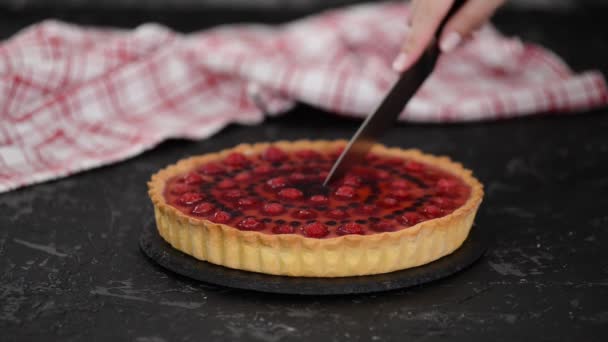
pixel 412 11
pixel 472 15
pixel 425 21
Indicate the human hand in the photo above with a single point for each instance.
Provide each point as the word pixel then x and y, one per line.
pixel 425 18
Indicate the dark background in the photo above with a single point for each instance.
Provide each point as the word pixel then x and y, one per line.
pixel 71 270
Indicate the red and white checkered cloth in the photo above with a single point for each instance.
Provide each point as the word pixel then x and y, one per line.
pixel 74 98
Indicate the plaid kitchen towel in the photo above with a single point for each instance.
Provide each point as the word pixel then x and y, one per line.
pixel 73 98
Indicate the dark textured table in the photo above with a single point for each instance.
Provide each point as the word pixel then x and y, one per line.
pixel 71 269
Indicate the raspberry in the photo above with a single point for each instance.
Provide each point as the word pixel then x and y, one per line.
pixel 336 214
pixel 298 178
pixel 409 219
pixel 304 214
pixel 308 154
pixel 274 154
pixel 400 184
pixel 323 175
pixel 381 174
pixel 236 159
pixel 393 161
pixel 277 183
pixel 190 198
pixel 383 226
pixel 352 181
pixel 413 166
pixel 233 194
pixel 286 168
pixel 431 177
pixel 364 172
pixel 251 223
pixel 179 189
pixel 335 154
pixel 315 230
pixel 204 208
pixel 350 228
pixel 247 202
pixel 446 186
pixel 388 202
pixel 242 177
pixel 368 209
pixel 283 229
pixel 290 193
pixel 318 200
pixel 193 179
pixel 371 157
pixel 345 192
pixel 221 217
pixel 400 193
pixel 432 211
pixel 211 169
pixel 273 209
pixel 442 203
pixel 262 170
pixel 226 184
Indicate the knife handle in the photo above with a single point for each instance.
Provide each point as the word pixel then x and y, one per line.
pixel 455 7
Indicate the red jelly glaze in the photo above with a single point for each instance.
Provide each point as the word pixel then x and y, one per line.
pixel 280 192
pixel 383 226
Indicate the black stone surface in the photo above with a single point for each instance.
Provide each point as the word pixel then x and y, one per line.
pixel 160 252
pixel 71 268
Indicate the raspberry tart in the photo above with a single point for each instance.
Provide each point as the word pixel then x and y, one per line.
pixel 263 208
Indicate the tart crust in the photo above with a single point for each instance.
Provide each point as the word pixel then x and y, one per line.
pixel 300 256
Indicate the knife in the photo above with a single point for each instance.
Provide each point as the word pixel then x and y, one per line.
pixel 402 91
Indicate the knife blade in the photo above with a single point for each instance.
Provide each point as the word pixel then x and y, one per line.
pixel 387 112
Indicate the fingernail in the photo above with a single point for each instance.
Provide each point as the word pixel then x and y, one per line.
pixel 450 41
pixel 400 62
